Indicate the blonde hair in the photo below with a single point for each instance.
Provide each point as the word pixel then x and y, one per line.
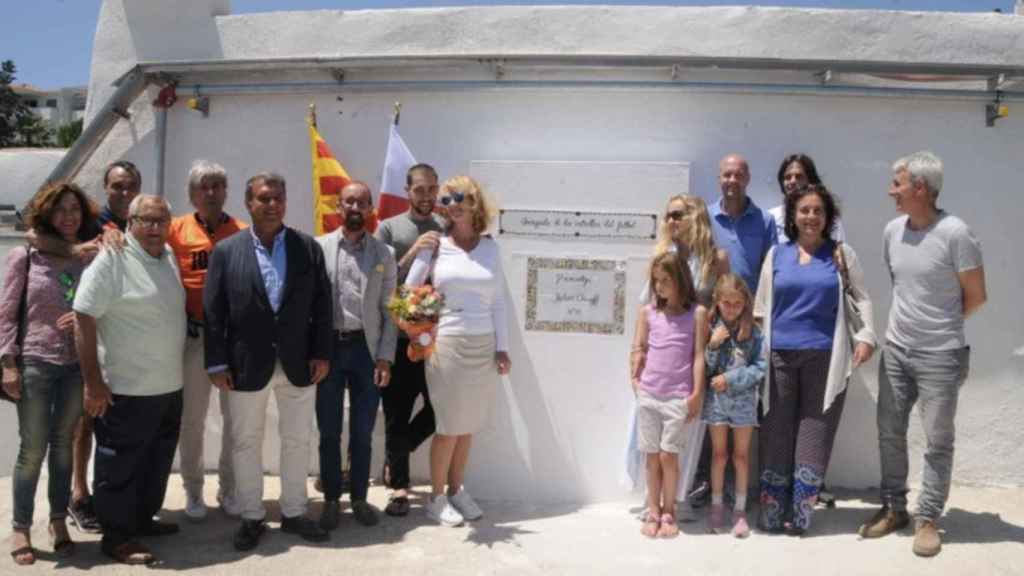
pixel 480 204
pixel 698 238
pixel 729 283
pixel 673 264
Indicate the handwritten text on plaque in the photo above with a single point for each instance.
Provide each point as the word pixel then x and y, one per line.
pixel 575 295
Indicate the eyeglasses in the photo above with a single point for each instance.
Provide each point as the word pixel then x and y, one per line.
pixel 457 197
pixel 147 222
pixel 677 215
pixel 125 187
pixel 67 281
pixel 358 204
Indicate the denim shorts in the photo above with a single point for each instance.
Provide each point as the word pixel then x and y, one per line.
pixel 734 410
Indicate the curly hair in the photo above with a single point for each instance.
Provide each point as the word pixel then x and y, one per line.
pixel 41 207
pixel 480 205
pixel 831 209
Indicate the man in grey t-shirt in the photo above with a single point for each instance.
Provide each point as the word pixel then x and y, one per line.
pixel 938 281
pixel 408 233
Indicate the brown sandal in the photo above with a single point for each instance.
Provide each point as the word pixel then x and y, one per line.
pixel 132 553
pixel 24 556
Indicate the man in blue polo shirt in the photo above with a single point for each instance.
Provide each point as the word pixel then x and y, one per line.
pixel 746 232
pixel 740 227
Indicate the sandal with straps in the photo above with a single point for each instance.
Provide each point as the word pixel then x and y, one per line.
pixel 27 555
pixel 668 528
pixel 651 526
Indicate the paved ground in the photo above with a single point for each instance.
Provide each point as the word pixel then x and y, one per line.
pixel 984 536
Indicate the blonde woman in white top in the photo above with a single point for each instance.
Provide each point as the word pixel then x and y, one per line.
pixel 464 371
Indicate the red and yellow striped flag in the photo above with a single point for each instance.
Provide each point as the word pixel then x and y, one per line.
pixel 329 177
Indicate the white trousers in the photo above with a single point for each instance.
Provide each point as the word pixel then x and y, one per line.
pixel 296 409
pixel 194 415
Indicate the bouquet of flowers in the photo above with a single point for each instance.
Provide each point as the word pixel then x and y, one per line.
pixel 417 312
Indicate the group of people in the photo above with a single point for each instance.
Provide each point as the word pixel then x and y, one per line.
pixel 757 318
pixel 120 323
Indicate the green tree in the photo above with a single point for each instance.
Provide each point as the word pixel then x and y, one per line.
pixel 19 126
pixel 11 107
pixel 68 133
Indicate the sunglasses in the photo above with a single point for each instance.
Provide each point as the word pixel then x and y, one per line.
pixel 677 215
pixel 456 197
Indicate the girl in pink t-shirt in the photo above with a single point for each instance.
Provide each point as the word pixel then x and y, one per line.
pixel 667 373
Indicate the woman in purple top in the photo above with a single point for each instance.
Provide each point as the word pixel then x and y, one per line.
pixel 667 373
pixel 40 366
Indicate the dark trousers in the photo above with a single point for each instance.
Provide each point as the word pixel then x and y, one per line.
pixel 351 367
pixel 796 436
pixel 403 432
pixel 135 444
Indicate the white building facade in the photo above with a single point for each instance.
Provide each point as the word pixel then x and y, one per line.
pixel 610 110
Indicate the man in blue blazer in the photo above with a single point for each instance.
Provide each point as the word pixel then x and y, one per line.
pixel 268 328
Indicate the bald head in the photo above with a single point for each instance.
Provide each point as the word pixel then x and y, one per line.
pixel 355 205
pixel 733 177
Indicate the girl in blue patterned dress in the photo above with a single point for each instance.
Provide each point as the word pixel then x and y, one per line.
pixel 735 369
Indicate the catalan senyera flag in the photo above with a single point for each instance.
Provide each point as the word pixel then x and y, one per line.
pixel 329 177
pixel 397 162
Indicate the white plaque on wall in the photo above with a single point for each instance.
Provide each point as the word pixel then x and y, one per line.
pixel 573 224
pixel 575 295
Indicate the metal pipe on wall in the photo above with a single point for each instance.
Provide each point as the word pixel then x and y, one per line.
pixel 161 147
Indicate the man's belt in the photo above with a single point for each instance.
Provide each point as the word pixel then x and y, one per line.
pixel 350 335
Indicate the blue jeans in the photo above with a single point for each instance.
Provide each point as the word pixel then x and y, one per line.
pixel 51 402
pixel 932 379
pixel 352 367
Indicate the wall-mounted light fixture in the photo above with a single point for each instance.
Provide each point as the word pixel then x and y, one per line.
pixel 199 103
pixel 995 110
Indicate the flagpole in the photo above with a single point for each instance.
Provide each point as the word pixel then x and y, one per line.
pixel 312 114
pixel 398 113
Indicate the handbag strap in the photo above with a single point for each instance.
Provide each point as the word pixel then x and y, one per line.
pixel 23 302
pixel 844 271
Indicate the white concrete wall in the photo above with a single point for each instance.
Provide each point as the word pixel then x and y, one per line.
pixel 853 139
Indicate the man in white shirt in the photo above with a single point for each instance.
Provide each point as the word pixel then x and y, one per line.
pixel 130 336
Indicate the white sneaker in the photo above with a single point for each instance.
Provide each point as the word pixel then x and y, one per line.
pixel 441 511
pixel 228 504
pixel 195 508
pixel 464 503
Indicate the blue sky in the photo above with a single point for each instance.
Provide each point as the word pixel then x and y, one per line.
pixel 50 41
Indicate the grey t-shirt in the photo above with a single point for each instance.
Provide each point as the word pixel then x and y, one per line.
pixel 400 232
pixel 927 301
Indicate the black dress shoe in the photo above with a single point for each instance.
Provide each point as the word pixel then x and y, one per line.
pixel 330 516
pixel 248 534
pixel 304 528
pixel 157 528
